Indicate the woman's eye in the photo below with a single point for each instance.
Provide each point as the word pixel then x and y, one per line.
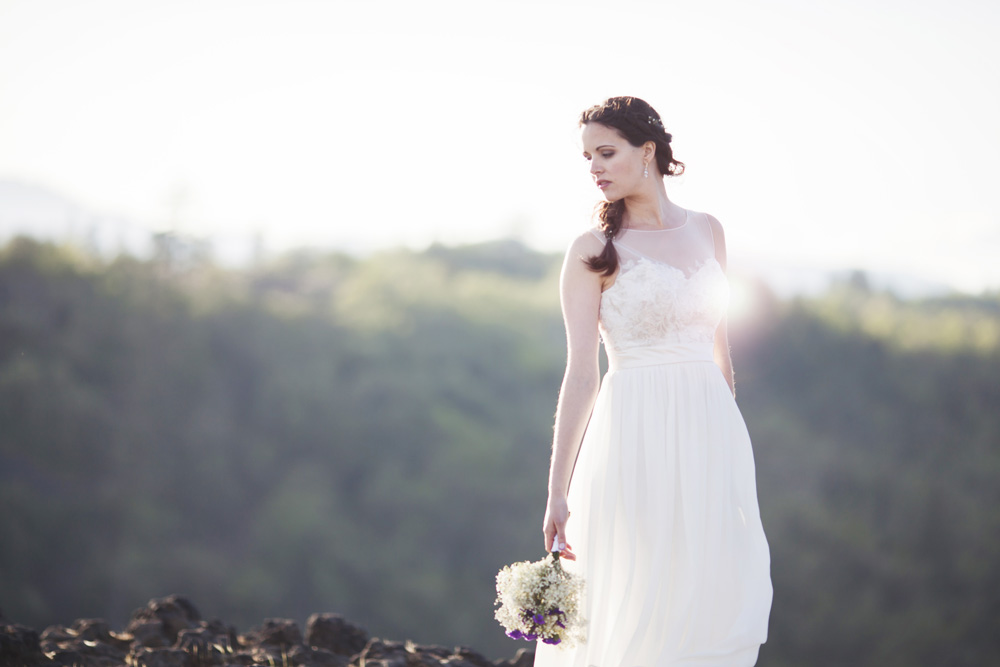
pixel 607 155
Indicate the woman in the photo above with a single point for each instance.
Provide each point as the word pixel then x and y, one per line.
pixel 664 526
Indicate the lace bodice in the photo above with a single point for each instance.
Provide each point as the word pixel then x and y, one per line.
pixel 654 301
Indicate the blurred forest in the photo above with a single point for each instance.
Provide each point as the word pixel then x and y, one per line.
pixel 371 437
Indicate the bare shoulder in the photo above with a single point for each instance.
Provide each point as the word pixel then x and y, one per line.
pixel 575 271
pixel 585 245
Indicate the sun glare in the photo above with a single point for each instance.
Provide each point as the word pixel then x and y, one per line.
pixel 741 300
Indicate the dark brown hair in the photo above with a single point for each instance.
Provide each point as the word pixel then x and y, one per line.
pixel 638 123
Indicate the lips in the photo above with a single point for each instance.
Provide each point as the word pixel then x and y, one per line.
pixel 603 184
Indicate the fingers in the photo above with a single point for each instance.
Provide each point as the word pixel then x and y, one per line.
pixel 554 536
pixel 550 534
pixel 554 527
pixel 559 541
pixel 565 548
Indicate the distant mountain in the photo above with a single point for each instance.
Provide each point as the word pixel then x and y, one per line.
pixel 45 214
pixel 788 280
pixel 28 209
pixel 36 211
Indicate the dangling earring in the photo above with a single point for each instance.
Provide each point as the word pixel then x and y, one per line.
pixel 645 170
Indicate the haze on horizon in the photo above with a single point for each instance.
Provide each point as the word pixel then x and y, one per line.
pixel 825 135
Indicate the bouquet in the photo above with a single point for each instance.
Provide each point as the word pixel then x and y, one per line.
pixel 540 600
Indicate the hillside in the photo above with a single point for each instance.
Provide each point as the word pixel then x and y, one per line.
pixel 370 436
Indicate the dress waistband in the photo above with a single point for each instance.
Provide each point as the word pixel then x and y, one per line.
pixel 654 355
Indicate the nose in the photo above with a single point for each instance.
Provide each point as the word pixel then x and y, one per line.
pixel 595 167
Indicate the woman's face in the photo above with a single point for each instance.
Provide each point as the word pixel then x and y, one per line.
pixel 615 164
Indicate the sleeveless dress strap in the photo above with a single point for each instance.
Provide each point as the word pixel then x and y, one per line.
pixel 708 225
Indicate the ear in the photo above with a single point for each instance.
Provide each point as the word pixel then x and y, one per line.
pixel 649 151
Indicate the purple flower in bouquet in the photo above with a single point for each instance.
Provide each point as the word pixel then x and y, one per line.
pixel 530 593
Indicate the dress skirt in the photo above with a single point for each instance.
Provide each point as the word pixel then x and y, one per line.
pixel 665 522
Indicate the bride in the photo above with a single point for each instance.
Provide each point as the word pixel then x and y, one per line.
pixel 652 490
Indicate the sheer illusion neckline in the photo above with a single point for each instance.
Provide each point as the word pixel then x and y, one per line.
pixel 687 216
pixel 629 264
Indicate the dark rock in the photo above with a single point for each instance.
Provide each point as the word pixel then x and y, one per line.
pixel 98 630
pixel 225 634
pixel 159 657
pixel 425 656
pixel 173 613
pixel 57 634
pixel 269 655
pixel 275 632
pixel 309 656
pixel 421 660
pixel 87 643
pixel 455 661
pixel 65 656
pixel 169 632
pixel 148 633
pixel 475 659
pixel 194 639
pixel 103 655
pixel 19 645
pixel 440 652
pixel 205 645
pixel 87 654
pixel 190 611
pixel 380 653
pixel 333 633
pixel 92 629
pixel 525 657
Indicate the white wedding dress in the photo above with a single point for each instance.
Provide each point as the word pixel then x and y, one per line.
pixel 664 518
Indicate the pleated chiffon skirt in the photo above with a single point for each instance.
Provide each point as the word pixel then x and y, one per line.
pixel 665 521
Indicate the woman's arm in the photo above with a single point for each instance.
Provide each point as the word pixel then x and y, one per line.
pixel 721 353
pixel 580 293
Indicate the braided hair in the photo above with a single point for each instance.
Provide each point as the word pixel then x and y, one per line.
pixel 638 122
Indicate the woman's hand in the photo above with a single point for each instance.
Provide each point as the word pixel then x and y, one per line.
pixel 554 528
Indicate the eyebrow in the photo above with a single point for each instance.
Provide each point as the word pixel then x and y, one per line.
pixel 601 146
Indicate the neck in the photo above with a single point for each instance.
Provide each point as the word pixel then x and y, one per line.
pixel 652 209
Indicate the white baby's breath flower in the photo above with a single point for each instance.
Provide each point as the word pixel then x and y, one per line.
pixel 540 600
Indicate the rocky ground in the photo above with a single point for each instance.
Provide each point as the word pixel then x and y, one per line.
pixel 169 632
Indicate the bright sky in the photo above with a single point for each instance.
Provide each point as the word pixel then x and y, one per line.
pixel 824 134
